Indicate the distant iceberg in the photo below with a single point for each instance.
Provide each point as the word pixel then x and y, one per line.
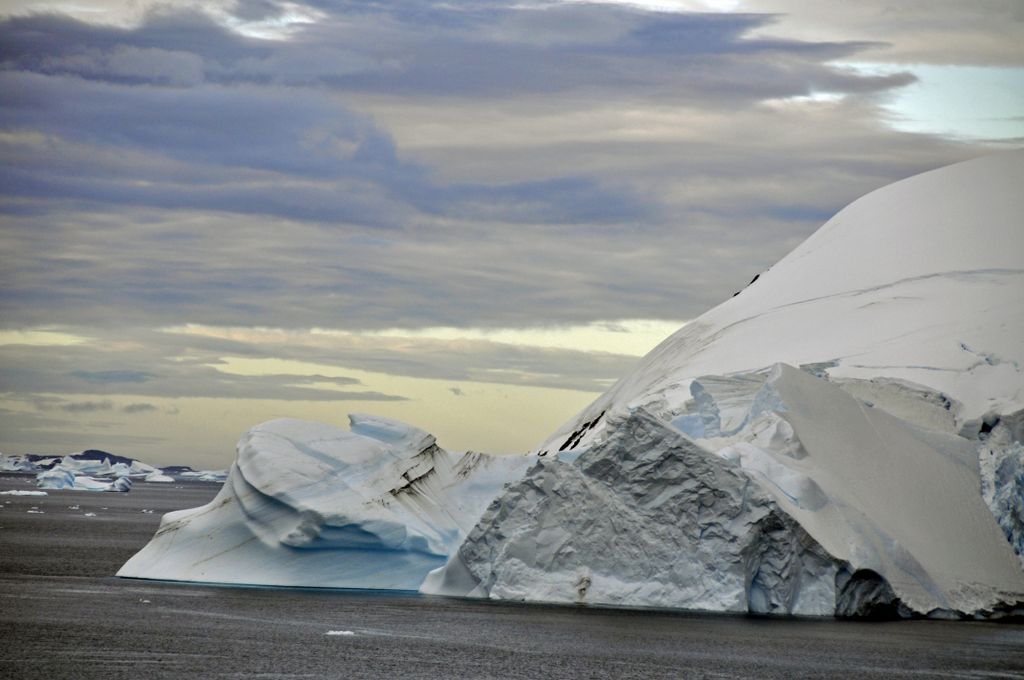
pixel 94 463
pixel 62 478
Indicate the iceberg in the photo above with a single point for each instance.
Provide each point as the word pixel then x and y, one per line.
pixel 816 500
pixel 62 478
pixel 841 437
pixel 215 476
pixel 310 504
pixel 92 462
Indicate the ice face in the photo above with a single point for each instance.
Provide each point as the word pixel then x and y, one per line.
pixel 821 505
pixel 910 326
pixel 646 518
pixel 1001 456
pixel 309 504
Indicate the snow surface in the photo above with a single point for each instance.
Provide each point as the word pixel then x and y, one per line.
pixel 906 314
pixel 310 504
pixel 921 281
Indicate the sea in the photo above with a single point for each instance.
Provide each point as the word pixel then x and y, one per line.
pixel 63 614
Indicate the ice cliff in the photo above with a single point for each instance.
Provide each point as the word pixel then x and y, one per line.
pixel 818 504
pixel 310 504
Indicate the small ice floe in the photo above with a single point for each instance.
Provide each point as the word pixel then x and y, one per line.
pixel 144 601
pixel 35 511
pixel 73 507
pixel 147 512
pixel 21 492
pixel 90 514
pixel 340 632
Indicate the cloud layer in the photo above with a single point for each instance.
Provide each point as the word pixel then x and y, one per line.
pixel 367 166
pixel 179 170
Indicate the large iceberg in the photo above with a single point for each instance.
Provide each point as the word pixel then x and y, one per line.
pixel 818 505
pixel 310 504
pixel 885 477
pixel 842 437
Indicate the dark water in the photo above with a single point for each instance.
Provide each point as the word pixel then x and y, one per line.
pixel 63 616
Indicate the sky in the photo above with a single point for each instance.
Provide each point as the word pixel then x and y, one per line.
pixel 471 216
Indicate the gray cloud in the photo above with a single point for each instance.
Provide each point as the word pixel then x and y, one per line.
pixel 488 165
pixel 139 407
pixel 86 406
pixel 414 164
pixel 112 376
pixel 422 163
pixel 983 32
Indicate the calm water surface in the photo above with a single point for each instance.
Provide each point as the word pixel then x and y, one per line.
pixel 62 615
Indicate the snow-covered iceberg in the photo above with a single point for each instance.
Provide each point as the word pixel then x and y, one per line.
pixel 719 476
pixel 310 504
pixel 842 437
pixel 818 505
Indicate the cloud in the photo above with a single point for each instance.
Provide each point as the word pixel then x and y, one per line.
pixel 114 376
pixel 86 406
pixel 139 407
pixel 571 162
pixel 270 168
pixel 984 33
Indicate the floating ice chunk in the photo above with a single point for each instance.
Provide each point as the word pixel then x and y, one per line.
pixel 340 632
pixel 216 476
pixel 158 476
pixel 138 468
pixel 22 492
pixel 118 470
pixel 17 464
pixel 56 478
pixel 309 504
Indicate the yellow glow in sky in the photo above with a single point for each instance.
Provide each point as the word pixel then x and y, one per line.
pixel 490 417
pixel 40 338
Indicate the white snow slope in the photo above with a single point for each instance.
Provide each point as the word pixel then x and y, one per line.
pixel 922 280
pixel 718 476
pixel 310 504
